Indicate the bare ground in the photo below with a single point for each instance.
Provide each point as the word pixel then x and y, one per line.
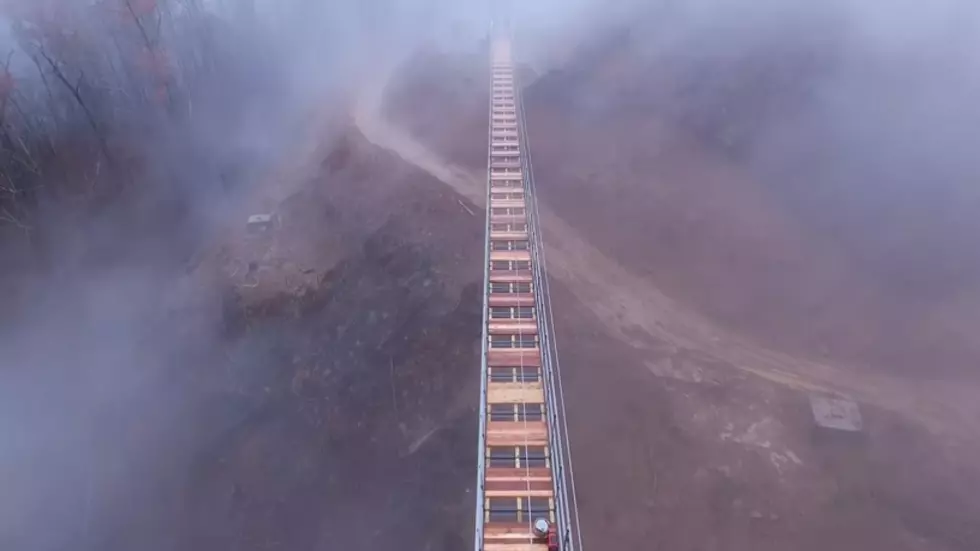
pixel 313 391
pixel 364 439
pixel 684 302
pixel 337 409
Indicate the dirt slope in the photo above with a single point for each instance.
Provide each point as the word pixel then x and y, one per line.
pixel 363 436
pixel 324 399
pixel 694 307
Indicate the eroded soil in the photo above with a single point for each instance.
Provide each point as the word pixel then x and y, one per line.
pixel 694 313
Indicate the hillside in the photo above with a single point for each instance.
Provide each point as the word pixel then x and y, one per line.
pixel 725 238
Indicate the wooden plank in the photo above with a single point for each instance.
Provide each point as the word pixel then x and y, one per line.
pixel 510 275
pixel 507 203
pixel 545 479
pixel 517 433
pixel 495 546
pixel 516 326
pixel 515 393
pixel 514 357
pixel 509 235
pixel 541 474
pixel 525 327
pixel 501 529
pixel 509 219
pixel 514 433
pixel 518 488
pixel 525 536
pixel 511 472
pixel 510 255
pixel 503 276
pixel 511 299
pixel 510 357
pixel 514 360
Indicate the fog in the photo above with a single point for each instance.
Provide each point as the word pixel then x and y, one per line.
pixel 116 179
pixel 99 239
pixel 860 116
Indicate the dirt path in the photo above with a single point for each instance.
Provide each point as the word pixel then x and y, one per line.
pixel 638 313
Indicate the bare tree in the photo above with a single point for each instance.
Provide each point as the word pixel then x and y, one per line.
pixel 75 90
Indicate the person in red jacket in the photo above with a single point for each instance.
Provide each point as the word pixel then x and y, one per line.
pixel 553 538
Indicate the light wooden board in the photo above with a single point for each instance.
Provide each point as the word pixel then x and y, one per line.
pixel 515 393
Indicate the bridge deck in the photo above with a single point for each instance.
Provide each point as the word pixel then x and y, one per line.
pixel 521 475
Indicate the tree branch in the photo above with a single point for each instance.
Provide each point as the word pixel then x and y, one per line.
pixel 5 215
pixel 75 91
pixel 6 73
pixel 47 87
pixel 139 24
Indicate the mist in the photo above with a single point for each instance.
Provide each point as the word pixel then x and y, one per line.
pixel 120 179
pixel 861 116
pixel 136 134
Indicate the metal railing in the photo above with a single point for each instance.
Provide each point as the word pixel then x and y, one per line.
pixel 484 375
pixel 564 481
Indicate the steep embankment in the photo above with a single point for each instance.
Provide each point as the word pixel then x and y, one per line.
pixel 307 388
pixel 722 302
pixel 357 430
pixel 680 168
